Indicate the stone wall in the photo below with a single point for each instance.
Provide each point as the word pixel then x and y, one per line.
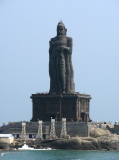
pixel 114 129
pixel 73 128
pixel 81 129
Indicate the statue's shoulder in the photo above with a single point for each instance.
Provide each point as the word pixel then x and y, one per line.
pixel 69 38
pixel 53 39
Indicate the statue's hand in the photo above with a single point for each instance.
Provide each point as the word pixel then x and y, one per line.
pixel 64 48
pixel 67 49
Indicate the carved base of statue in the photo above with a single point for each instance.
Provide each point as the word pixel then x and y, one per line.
pixel 73 107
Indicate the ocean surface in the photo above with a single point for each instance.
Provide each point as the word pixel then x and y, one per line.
pixel 59 155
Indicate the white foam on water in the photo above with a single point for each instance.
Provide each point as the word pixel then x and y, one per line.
pixel 2 154
pixel 6 153
pixel 26 147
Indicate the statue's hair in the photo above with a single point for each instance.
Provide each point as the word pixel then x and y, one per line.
pixel 61 24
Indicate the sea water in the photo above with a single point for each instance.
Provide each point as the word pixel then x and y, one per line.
pixel 59 155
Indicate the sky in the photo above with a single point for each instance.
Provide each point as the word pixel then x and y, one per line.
pixel 26 27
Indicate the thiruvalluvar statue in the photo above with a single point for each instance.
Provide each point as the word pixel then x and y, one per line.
pixel 60 62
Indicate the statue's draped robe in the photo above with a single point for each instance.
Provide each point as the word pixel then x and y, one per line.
pixel 60 65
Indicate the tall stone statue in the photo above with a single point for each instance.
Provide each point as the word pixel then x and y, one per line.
pixel 62 101
pixel 60 62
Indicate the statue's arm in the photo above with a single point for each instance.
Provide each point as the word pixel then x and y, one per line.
pixel 70 44
pixel 68 48
pixel 51 45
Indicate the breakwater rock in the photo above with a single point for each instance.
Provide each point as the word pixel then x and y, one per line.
pixel 110 142
pixel 100 139
pixel 5 147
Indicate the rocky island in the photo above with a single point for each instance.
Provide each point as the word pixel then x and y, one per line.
pixel 99 140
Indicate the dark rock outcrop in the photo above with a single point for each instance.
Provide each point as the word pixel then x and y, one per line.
pixel 5 147
pixel 80 143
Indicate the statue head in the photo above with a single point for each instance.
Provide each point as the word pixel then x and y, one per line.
pixel 61 30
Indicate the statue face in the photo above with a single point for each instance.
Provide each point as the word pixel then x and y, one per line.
pixel 61 30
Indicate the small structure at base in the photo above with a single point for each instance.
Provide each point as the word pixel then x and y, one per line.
pixel 6 138
pixel 52 130
pixel 63 130
pixel 23 131
pixel 40 135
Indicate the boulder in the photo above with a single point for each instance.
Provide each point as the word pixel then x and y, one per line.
pixel 97 132
pixel 110 142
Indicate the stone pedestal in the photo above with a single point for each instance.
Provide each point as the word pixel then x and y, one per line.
pixel 73 107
